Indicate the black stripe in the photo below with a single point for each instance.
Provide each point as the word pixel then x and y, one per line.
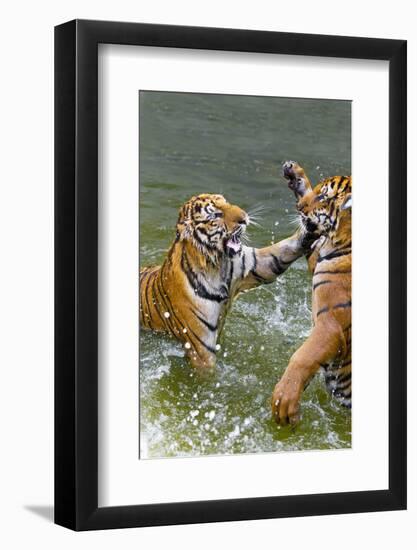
pixel 259 278
pixel 343 305
pixel 173 317
pixel 143 274
pixel 155 289
pixel 337 306
pixel 345 377
pixel 229 280
pixel 243 265
pixel 199 288
pixel 344 246
pixel 146 296
pixel 333 255
pixel 276 267
pixel 208 348
pixel 343 385
pixel 178 322
pixel 206 232
pixel 255 263
pixel 146 273
pixel 190 333
pixel 339 383
pixel 165 301
pixel 322 310
pixel 342 180
pixel 198 239
pixel 202 230
pixel 206 245
pixel 335 272
pixel 321 283
pixel 211 327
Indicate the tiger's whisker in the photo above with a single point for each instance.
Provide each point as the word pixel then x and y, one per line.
pixel 255 223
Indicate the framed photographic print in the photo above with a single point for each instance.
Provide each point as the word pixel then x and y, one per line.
pixel 230 315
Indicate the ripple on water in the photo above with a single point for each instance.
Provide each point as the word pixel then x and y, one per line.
pixel 182 415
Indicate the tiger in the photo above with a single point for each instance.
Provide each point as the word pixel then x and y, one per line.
pixel 326 212
pixel 205 269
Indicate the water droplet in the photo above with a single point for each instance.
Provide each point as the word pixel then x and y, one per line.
pixel 187 345
pixel 166 314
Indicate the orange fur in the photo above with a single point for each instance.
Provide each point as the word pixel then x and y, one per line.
pixel 326 212
pixel 206 268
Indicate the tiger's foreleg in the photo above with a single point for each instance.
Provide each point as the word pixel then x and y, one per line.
pixel 266 264
pixel 325 343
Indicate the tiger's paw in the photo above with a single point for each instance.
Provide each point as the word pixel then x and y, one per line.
pixel 286 401
pixel 296 177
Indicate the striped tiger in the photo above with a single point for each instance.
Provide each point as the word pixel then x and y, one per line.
pixel 326 212
pixel 206 267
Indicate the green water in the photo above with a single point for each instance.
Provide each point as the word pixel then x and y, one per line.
pixel 235 145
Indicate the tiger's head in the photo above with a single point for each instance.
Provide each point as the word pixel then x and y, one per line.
pixel 324 207
pixel 212 225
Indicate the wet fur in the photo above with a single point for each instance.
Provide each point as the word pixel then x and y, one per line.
pixel 326 212
pixel 190 294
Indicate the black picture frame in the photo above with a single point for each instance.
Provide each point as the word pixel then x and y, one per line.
pixel 76 272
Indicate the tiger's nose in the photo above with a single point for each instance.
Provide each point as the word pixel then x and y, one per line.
pixel 236 215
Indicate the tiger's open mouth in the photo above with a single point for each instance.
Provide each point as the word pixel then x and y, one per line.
pixel 233 244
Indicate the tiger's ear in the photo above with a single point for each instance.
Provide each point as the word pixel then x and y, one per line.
pixel 347 203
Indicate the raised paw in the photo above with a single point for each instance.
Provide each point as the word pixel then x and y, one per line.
pixel 297 179
pixel 288 169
